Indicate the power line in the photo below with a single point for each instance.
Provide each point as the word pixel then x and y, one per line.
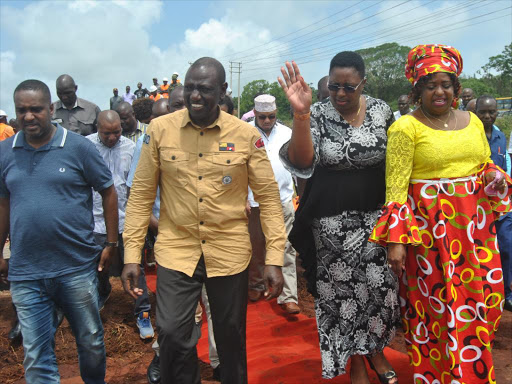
pixel 403 40
pixel 298 37
pixel 352 31
pixel 291 33
pixel 360 39
pixel 366 39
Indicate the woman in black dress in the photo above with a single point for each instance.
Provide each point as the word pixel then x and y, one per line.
pixel 339 145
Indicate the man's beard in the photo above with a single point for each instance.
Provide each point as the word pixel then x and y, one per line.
pixel 265 130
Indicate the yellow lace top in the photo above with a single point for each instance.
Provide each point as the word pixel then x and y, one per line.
pixel 416 151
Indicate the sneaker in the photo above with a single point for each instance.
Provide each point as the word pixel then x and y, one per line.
pixel 144 325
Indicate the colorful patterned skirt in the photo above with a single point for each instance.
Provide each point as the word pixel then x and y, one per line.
pixel 451 293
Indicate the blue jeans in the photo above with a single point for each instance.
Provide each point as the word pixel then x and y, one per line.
pixel 77 295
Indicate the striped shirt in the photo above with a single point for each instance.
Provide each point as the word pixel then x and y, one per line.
pixel 118 160
pixel 139 131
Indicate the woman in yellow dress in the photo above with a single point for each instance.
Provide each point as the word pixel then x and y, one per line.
pixel 438 223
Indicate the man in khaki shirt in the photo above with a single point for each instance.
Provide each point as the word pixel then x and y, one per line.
pixel 203 160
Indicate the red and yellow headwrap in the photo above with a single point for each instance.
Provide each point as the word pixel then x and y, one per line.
pixel 431 58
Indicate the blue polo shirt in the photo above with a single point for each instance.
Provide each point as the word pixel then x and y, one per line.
pixel 51 220
pixel 498 145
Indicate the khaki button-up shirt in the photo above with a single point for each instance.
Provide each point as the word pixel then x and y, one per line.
pixel 203 176
pixel 82 118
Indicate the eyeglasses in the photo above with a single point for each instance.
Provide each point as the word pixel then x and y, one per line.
pixel 346 88
pixel 264 117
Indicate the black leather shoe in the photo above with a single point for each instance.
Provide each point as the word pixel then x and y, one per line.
pixel 508 305
pixel 154 371
pixel 15 333
pixel 216 373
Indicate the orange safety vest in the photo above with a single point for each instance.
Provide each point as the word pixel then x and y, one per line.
pixel 164 87
pixel 6 131
pixel 156 98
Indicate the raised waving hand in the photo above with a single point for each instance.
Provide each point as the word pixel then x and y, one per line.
pixel 297 91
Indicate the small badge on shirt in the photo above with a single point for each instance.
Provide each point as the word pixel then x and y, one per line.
pixel 146 139
pixel 259 143
pixel 227 180
pixel 227 147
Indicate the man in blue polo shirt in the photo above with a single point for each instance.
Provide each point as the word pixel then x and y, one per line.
pixel 47 174
pixel 487 111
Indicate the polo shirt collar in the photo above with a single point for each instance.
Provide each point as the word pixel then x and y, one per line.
pixel 217 123
pixel 58 140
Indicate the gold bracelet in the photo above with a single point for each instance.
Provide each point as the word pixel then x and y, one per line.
pixel 302 117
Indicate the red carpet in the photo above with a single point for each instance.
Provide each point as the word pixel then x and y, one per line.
pixel 284 348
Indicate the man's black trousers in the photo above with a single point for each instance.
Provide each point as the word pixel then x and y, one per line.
pixel 177 297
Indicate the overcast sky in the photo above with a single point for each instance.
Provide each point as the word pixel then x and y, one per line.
pixel 107 44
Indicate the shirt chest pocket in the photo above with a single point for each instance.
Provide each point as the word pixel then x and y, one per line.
pixel 229 170
pixel 82 124
pixel 174 164
pixel 86 127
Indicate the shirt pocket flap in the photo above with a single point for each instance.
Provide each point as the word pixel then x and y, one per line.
pixel 228 159
pixel 86 120
pixel 174 155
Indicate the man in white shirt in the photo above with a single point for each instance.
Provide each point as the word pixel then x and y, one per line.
pixel 128 96
pixel 403 107
pixel 274 135
pixel 117 152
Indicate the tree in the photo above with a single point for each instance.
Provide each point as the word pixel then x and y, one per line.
pixel 257 87
pixel 283 106
pixel 249 93
pixel 479 86
pixel 385 71
pixel 501 63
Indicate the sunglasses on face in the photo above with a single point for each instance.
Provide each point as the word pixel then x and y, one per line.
pixel 346 88
pixel 263 117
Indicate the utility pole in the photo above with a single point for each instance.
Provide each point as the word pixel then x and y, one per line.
pixel 230 75
pixel 236 67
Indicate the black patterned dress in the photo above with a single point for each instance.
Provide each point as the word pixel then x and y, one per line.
pixel 356 299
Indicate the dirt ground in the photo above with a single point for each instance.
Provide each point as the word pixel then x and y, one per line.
pixel 128 356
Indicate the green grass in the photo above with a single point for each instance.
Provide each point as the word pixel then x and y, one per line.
pixel 505 124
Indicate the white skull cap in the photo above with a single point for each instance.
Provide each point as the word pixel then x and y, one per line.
pixel 2 113
pixel 265 103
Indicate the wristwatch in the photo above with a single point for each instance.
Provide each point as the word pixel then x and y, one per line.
pixel 114 244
